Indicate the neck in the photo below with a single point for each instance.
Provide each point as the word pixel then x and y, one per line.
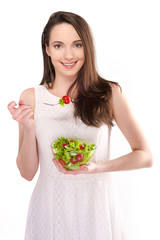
pixel 61 85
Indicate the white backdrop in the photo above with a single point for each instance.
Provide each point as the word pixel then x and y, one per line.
pixel 126 35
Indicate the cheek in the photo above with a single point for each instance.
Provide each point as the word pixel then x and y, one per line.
pixel 81 55
pixel 55 57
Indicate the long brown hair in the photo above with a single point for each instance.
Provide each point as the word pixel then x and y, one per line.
pixel 93 101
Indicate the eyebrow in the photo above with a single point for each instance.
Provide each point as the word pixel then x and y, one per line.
pixel 62 42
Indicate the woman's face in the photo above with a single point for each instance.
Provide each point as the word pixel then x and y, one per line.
pixel 66 50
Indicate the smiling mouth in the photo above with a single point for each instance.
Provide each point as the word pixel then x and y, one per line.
pixel 69 65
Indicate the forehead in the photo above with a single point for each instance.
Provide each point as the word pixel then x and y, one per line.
pixel 63 32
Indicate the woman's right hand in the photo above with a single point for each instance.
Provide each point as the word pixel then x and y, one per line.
pixel 22 114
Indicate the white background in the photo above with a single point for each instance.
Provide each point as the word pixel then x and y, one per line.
pixel 126 35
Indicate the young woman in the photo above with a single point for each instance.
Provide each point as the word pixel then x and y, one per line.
pixel 74 205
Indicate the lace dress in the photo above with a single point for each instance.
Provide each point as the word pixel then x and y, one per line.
pixel 65 206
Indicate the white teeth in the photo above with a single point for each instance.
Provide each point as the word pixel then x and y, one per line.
pixel 69 64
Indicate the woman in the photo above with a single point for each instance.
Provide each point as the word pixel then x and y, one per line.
pixel 65 204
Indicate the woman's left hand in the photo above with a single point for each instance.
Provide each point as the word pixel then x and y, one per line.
pixel 90 168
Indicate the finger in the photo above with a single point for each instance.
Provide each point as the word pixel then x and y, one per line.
pixel 28 116
pixel 17 110
pixel 11 106
pixel 73 172
pixel 21 108
pixel 12 103
pixel 19 113
pixel 54 161
pixel 25 115
pixel 59 166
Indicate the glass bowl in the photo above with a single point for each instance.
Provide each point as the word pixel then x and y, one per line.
pixel 72 152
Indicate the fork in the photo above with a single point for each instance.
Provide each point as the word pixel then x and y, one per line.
pixel 50 104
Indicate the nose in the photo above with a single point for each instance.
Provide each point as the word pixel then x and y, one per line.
pixel 68 53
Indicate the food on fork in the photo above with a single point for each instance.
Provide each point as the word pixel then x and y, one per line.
pixel 64 100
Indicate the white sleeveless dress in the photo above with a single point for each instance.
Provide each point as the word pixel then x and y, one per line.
pixel 65 206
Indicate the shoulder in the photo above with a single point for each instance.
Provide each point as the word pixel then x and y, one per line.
pixel 28 96
pixel 119 101
pixel 116 89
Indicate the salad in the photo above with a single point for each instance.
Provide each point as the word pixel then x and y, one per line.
pixel 72 153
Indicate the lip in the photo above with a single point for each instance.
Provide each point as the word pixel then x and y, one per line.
pixel 69 67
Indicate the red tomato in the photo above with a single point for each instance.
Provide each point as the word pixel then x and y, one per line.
pixel 73 161
pixel 66 99
pixel 79 157
pixel 64 144
pixel 61 161
pixel 82 146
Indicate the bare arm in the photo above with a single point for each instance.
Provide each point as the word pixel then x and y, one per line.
pixel 27 159
pixel 141 156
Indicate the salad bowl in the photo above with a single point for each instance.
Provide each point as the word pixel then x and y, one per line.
pixel 72 152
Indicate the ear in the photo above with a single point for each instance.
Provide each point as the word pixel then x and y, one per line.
pixel 47 50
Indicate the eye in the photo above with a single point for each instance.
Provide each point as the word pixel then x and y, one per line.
pixel 78 45
pixel 57 46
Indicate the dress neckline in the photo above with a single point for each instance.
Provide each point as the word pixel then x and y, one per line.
pixel 51 94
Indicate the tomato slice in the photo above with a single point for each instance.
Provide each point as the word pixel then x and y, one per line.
pixel 79 157
pixel 61 161
pixel 73 161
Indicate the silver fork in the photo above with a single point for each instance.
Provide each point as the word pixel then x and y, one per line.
pixel 50 104
pixel 26 104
